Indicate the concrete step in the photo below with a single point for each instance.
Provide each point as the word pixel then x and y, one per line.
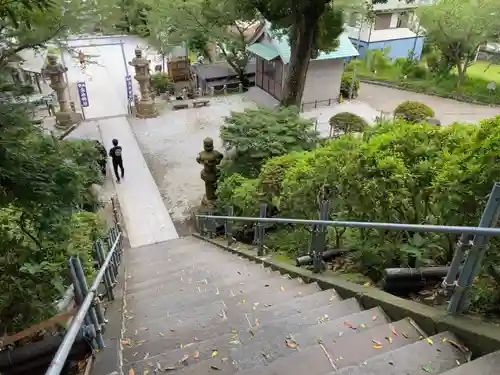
pixel 486 365
pixel 203 322
pixel 419 358
pixel 292 323
pixel 230 285
pixel 294 306
pixel 241 301
pixel 272 342
pixel 353 349
pixel 311 361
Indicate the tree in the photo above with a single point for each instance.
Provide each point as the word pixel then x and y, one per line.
pixel 256 135
pixel 223 22
pixel 33 26
pixel 459 27
pixel 312 26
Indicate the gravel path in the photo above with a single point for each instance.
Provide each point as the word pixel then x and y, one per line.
pixel 170 144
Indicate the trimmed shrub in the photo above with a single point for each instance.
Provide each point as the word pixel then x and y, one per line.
pixel 161 82
pixel 348 122
pixel 345 86
pixel 413 112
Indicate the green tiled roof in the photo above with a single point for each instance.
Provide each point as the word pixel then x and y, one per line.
pixel 266 52
pixel 345 48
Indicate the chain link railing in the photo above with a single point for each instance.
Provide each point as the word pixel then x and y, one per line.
pixel 468 256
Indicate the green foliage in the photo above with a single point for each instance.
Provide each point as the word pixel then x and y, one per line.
pixel 347 88
pixel 413 112
pixel 458 28
pixel 259 134
pixel 397 172
pixel 161 82
pixel 239 192
pixel 31 280
pixel 348 122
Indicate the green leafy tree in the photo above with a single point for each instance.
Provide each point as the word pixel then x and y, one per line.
pixel 256 135
pixel 312 26
pixel 222 22
pixel 458 28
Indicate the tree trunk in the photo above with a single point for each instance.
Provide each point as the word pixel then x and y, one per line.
pixel 301 53
pixel 460 74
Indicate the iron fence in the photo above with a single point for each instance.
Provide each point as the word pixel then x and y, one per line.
pixel 469 249
pixel 90 316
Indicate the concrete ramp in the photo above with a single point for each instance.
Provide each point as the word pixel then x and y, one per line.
pixel 146 219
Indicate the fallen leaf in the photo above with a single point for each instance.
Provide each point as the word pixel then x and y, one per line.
pixel 462 348
pixel 363 325
pixel 196 355
pixel 172 330
pixel 291 343
pixel 257 323
pixel 393 330
pixel 374 317
pixel 184 359
pixel 224 359
pixel 349 324
pixel 196 339
pixel 389 339
pixel 145 372
pixel 171 368
pixel 391 363
pixel 136 332
pixel 214 368
pixel 282 289
pixel 234 342
pixel 444 339
pixel 341 334
pixel 367 284
pixel 214 353
pixel 404 335
pixel 133 355
pixel 146 356
pixel 428 368
pixel 429 340
pixel 252 333
pixel 131 371
pixel 376 342
pixel 243 300
pixel 125 341
pixel 181 346
pixel 140 342
pixel 377 346
pixel 160 334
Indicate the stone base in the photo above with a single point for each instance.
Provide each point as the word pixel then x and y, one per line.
pixel 64 120
pixel 146 109
pixel 206 203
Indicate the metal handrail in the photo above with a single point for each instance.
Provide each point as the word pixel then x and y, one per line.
pixel 481 231
pixel 62 353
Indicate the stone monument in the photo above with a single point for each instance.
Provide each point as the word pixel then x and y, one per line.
pixel 65 117
pixel 210 159
pixel 145 107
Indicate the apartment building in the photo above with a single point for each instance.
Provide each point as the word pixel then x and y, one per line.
pixel 394 28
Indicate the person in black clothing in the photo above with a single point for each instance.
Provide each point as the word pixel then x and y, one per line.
pixel 116 158
pixel 103 156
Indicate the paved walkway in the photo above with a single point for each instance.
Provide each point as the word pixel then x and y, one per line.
pixel 146 219
pixel 447 110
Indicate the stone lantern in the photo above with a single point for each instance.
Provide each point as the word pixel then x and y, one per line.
pixel 65 117
pixel 145 107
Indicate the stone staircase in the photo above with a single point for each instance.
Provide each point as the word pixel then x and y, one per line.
pixel 191 308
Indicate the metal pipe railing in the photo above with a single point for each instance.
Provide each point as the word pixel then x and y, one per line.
pixel 481 231
pixel 62 353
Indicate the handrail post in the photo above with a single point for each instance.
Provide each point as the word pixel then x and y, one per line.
pixel 107 278
pixel 318 238
pixel 228 226
pixel 78 293
pixel 94 312
pixel 462 245
pixel 210 229
pixel 472 265
pixel 113 270
pixel 260 230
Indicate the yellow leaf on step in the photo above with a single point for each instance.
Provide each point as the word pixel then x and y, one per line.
pixel 131 372
pixel 214 353
pixel 429 341
pixel 196 355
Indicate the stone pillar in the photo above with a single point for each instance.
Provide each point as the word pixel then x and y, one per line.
pixel 210 159
pixel 145 107
pixel 65 117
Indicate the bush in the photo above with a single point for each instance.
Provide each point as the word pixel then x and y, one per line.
pixel 259 134
pixel 397 172
pixel 32 280
pixel 348 122
pixel 161 82
pixel 346 86
pixel 413 112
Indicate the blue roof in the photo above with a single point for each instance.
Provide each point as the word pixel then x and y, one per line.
pixel 282 46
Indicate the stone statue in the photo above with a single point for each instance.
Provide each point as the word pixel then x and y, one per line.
pixel 210 159
pixel 145 107
pixel 65 117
